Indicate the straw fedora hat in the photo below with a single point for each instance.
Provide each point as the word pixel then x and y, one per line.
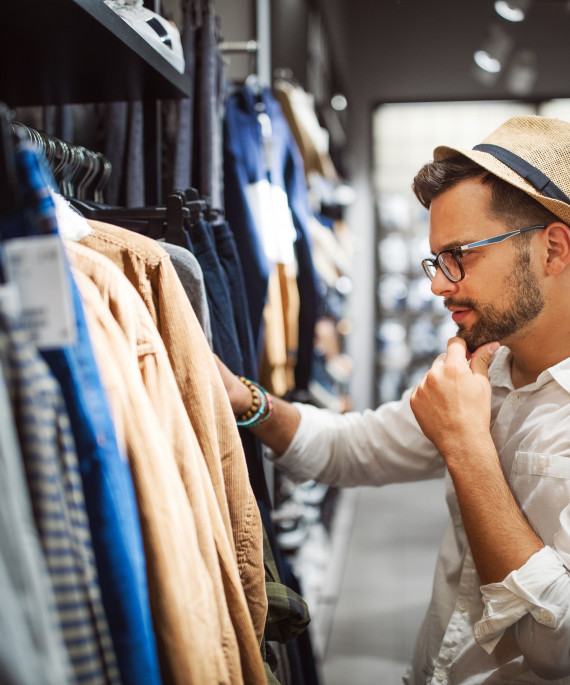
pixel 531 153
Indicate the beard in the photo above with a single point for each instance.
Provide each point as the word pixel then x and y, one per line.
pixel 523 303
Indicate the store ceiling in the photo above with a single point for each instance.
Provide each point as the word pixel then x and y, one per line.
pixel 401 50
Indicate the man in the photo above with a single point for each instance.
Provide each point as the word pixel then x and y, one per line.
pixel 495 421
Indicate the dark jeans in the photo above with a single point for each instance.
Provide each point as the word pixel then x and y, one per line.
pixel 224 334
pixel 229 259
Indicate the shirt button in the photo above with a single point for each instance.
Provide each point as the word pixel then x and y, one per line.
pixel 542 464
pixel 462 605
pixel 545 615
pixel 514 398
pixel 440 675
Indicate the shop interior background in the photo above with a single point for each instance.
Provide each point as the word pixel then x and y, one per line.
pixel 393 52
pixel 408 71
pixel 392 79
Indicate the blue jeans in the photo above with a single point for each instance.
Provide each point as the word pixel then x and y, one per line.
pixel 229 259
pixel 224 334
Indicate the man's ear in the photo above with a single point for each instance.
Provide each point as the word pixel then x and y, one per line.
pixel 556 238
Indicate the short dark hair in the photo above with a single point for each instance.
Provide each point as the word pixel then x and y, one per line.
pixel 508 203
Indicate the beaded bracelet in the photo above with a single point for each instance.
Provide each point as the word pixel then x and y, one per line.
pixel 261 405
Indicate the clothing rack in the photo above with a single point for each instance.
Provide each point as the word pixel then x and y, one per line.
pixel 239 46
pixel 82 174
pixel 8 180
pixel 260 47
pixel 79 172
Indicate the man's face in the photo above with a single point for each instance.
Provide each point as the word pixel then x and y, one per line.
pixel 500 294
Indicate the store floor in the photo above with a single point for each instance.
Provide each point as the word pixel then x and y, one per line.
pixel 386 583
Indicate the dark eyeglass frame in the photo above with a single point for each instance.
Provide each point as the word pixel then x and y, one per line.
pixel 433 262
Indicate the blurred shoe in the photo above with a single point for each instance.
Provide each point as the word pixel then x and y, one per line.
pixel 310 492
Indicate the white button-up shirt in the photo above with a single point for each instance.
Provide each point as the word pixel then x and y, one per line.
pixel 517 631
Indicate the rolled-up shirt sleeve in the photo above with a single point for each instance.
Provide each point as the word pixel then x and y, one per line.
pixel 369 448
pixel 535 601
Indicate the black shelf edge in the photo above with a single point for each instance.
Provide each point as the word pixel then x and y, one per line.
pixel 79 51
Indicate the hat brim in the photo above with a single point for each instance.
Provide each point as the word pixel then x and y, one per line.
pixel 496 167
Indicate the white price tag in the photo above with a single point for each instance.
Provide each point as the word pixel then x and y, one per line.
pixel 37 266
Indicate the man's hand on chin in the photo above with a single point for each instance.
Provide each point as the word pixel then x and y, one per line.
pixel 452 402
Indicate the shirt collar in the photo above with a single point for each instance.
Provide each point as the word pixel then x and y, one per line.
pixel 500 370
pixel 561 373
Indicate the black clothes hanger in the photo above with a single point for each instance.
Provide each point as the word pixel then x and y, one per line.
pixel 168 222
pixel 78 172
pixel 81 176
pixel 196 204
pixel 164 222
pixel 9 194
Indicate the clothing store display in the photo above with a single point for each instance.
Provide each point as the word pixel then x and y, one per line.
pixel 176 575
pixel 133 317
pixel 224 255
pixel 113 521
pixel 263 168
pixel 222 269
pixel 164 405
pixel 386 445
pixel 149 269
pixel 184 612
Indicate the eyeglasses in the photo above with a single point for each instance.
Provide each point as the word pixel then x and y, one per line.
pixel 449 261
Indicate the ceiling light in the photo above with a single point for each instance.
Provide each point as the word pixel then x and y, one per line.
pixel 484 60
pixel 512 10
pixel 339 102
pixel 493 54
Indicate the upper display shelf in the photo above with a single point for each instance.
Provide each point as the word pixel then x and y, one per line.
pixel 78 51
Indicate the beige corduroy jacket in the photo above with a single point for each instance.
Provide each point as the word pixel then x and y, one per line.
pixel 210 432
pixel 183 609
